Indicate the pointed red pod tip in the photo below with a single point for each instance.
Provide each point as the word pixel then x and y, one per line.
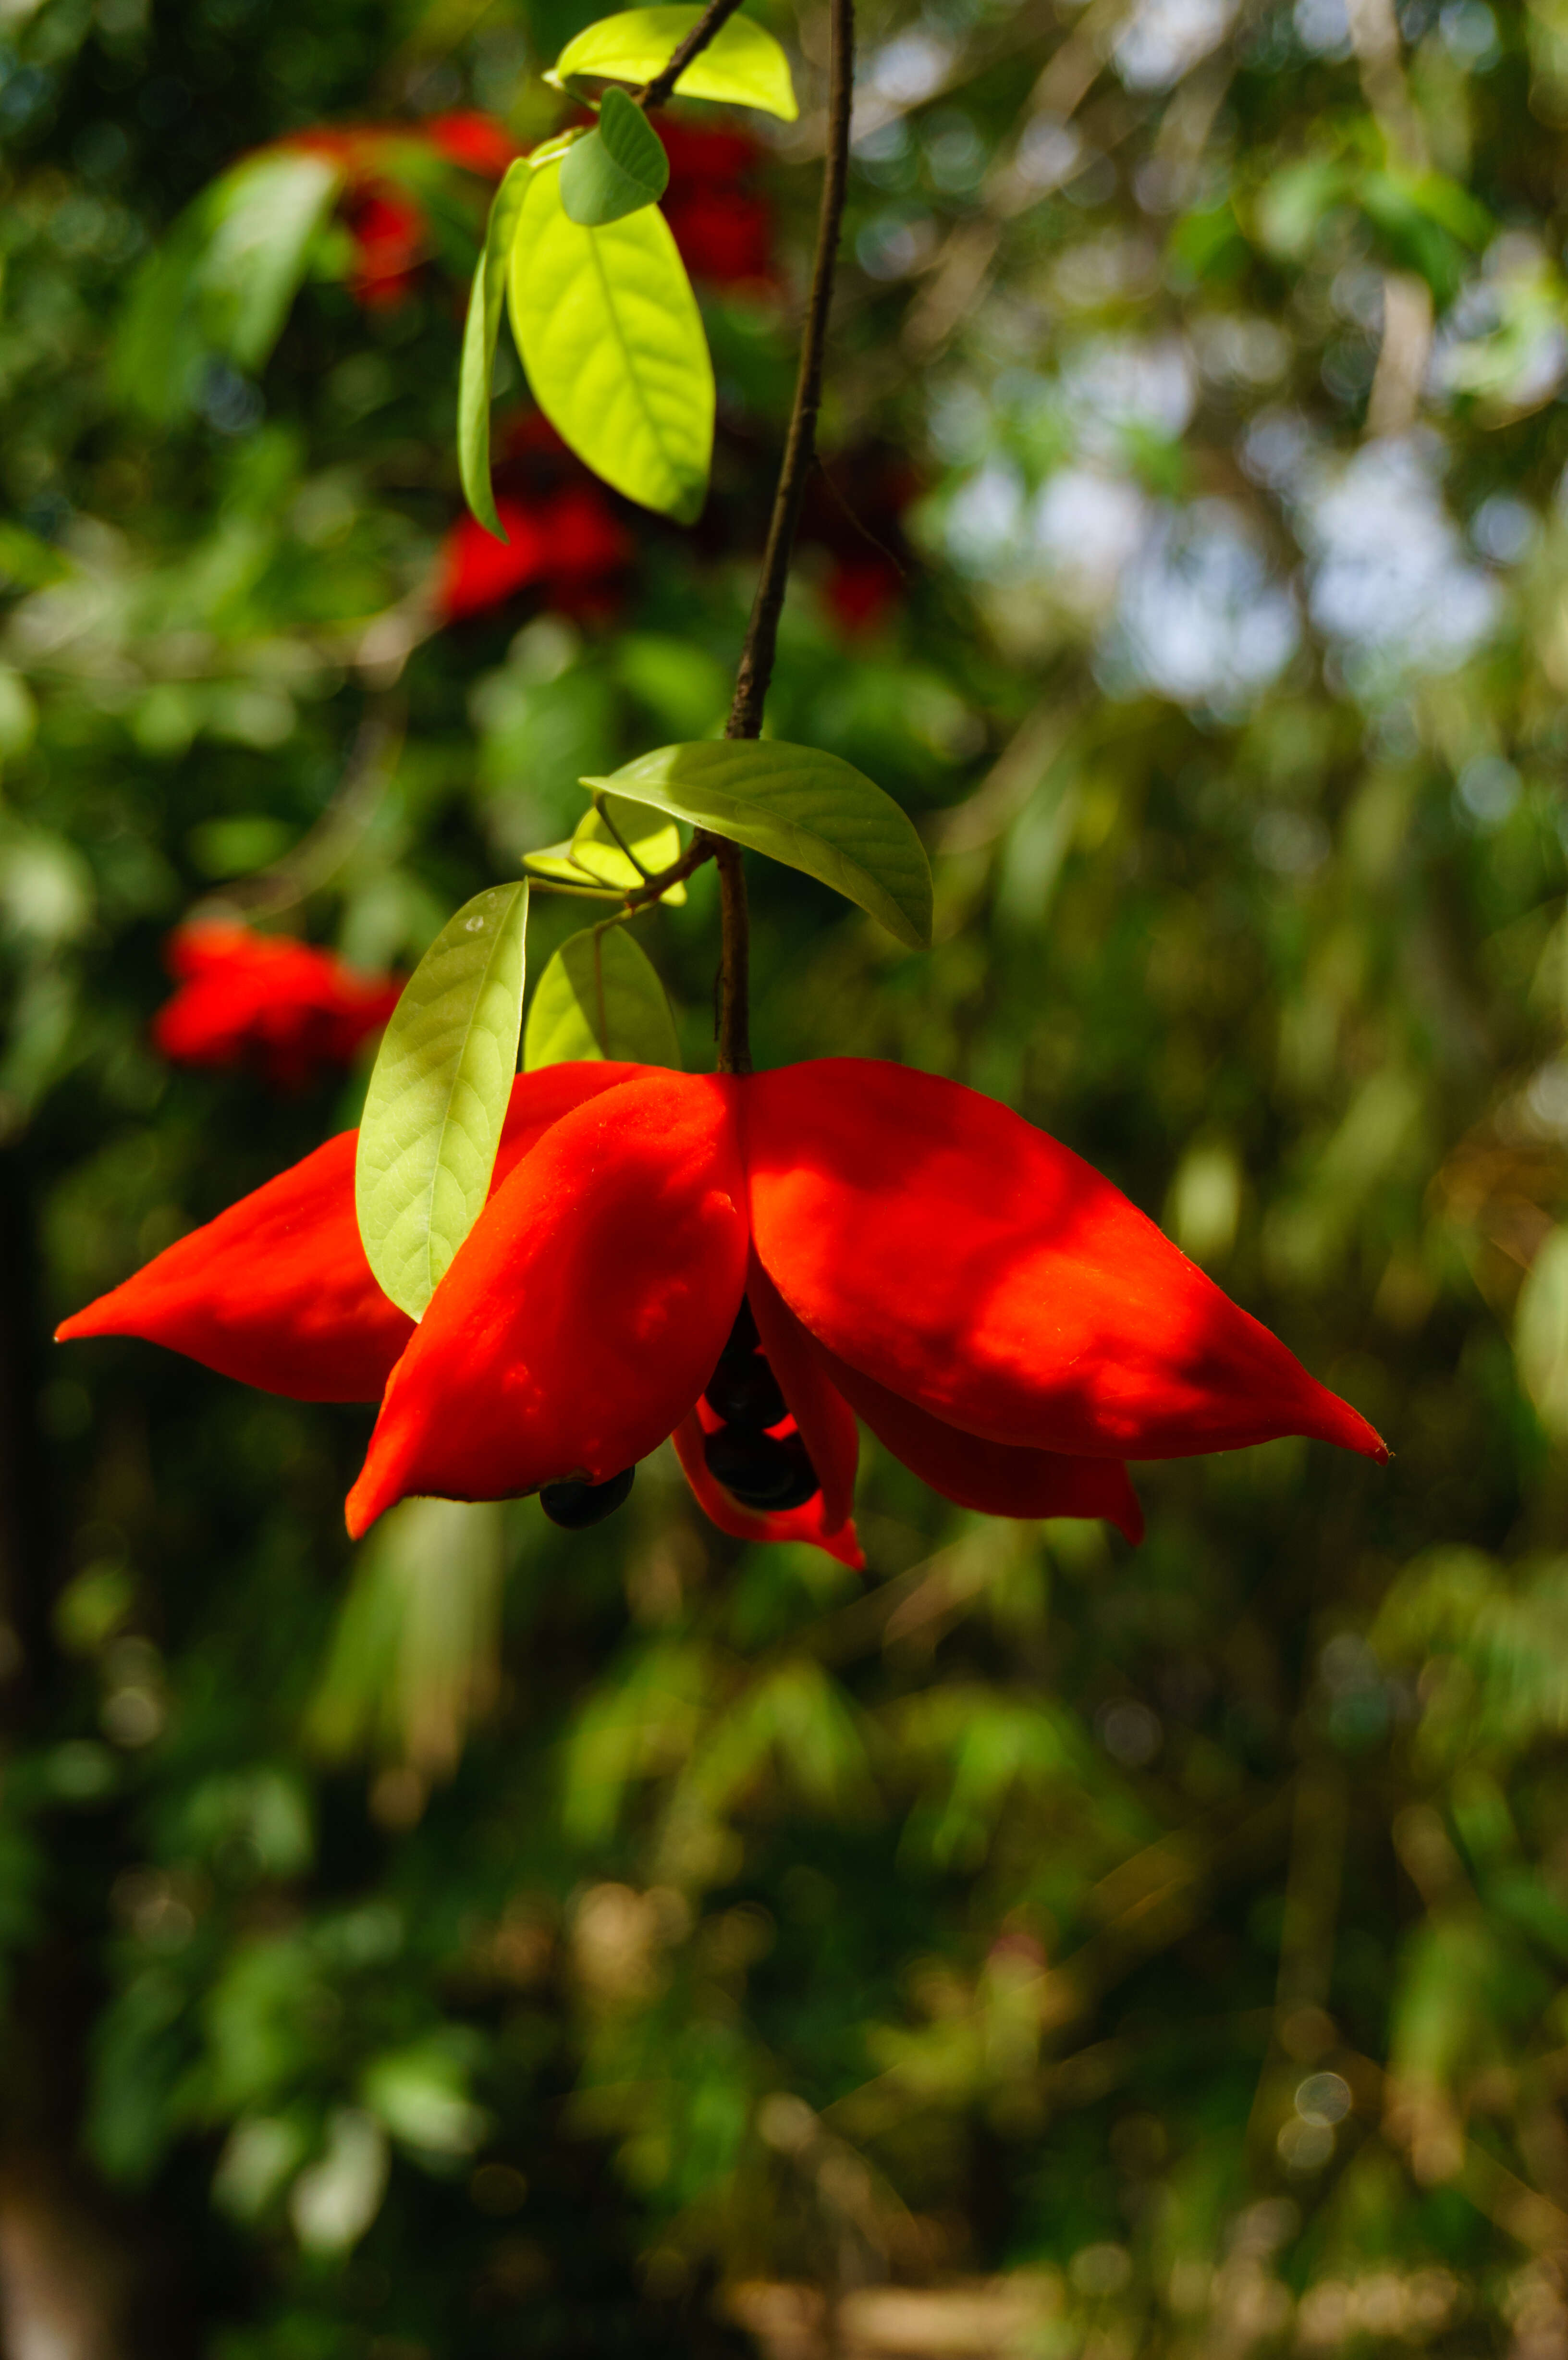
pixel 276 1293
pixel 938 1243
pixel 84 1323
pixel 1345 1426
pixel 376 1490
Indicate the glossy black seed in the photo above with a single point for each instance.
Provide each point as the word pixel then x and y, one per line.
pixel 745 1391
pixel 761 1470
pixel 576 1504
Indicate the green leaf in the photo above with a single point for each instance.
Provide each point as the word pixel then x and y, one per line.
pixel 438 1095
pixel 1426 223
pixel 264 214
pixel 801 806
pixel 600 998
pixel 1442 199
pixel 1540 1332
pixel 613 343
pixel 222 281
pixel 413 1655
pixel 1207 244
pixel 617 168
pixel 157 348
pixel 479 335
pixel 742 65
pixel 596 858
pixel 1291 206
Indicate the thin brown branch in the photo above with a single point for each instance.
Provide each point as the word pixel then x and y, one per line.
pixel 762 633
pixel 756 667
pixel 655 93
pixel 698 853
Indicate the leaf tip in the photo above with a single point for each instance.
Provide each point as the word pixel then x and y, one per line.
pixel 689 503
pixel 491 522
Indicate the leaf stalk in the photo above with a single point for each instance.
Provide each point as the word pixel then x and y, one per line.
pixel 757 654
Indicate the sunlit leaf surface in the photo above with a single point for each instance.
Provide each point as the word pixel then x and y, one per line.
pixel 613 346
pixel 617 846
pixel 742 66
pixel 479 336
pixel 438 1095
pixel 600 997
pixel 801 806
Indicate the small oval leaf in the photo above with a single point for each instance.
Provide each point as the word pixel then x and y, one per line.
pixel 622 844
pixel 613 346
pixel 438 1095
pixel 801 806
pixel 617 168
pixel 742 65
pixel 616 844
pixel 599 996
pixel 555 863
pixel 479 336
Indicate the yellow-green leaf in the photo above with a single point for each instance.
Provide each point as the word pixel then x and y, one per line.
pixel 618 846
pixel 798 805
pixel 479 336
pixel 742 65
pixel 438 1095
pixel 613 346
pixel 617 168
pixel 600 998
pixel 1540 1332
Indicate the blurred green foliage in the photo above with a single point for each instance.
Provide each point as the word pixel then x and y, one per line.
pixel 498 1940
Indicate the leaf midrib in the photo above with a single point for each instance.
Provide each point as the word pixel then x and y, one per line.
pixel 723 806
pixel 632 375
pixel 451 1092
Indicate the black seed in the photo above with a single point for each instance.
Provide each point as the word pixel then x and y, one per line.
pixel 745 1391
pixel 761 1470
pixel 576 1504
